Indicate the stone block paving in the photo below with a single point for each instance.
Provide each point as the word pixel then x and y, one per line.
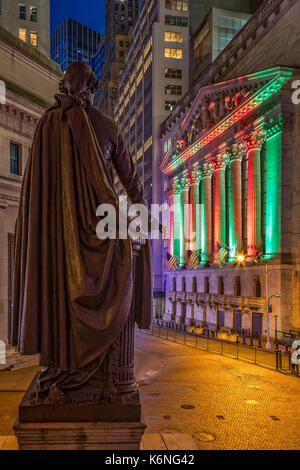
pixel 233 405
pixel 194 400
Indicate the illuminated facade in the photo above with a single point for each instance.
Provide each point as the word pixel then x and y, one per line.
pixel 228 156
pixel 231 145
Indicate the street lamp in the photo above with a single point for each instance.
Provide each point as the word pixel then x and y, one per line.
pixel 268 346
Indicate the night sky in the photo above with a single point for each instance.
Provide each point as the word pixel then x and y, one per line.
pixel 87 12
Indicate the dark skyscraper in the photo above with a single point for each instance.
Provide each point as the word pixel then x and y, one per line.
pixel 73 41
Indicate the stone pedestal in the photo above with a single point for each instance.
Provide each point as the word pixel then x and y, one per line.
pixel 80 436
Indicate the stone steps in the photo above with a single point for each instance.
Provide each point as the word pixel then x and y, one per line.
pixel 15 361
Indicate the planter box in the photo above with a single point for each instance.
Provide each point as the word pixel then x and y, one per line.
pixel 223 336
pixel 200 331
pixel 233 338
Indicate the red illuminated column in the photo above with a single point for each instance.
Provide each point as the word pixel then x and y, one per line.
pixel 206 211
pixel 171 222
pixel 220 201
pixel 186 214
pixel 254 144
pixel 195 210
pixel 236 153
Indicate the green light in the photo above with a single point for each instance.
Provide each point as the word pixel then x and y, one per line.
pixel 273 183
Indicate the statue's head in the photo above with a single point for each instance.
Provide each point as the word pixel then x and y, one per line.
pixel 80 82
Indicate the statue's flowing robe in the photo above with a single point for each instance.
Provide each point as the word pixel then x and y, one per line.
pixel 73 291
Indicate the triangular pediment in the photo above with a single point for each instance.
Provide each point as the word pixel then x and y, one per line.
pixel 217 107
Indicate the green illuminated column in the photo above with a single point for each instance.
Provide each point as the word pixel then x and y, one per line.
pixel 206 212
pixel 195 222
pixel 185 183
pixel 235 154
pixel 273 184
pixel 219 202
pixel 254 144
pixel 171 222
pixel 178 223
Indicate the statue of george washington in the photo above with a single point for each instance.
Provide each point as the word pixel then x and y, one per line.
pixel 73 291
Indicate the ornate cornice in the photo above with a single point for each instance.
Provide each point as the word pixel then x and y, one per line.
pixel 261 22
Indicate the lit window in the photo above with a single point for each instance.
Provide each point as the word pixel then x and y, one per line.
pixel 33 39
pixel 173 37
pixel 173 73
pixel 170 105
pixel 22 34
pixel 22 12
pixel 173 53
pixel 33 14
pixel 15 163
pixel 173 90
pixel 181 5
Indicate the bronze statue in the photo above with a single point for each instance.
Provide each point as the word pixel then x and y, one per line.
pixel 73 291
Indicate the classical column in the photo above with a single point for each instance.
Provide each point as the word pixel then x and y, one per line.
pixel 195 222
pixel 254 144
pixel 3 275
pixel 178 223
pixel 171 222
pixel 206 212
pixel 235 155
pixel 186 215
pixel 220 202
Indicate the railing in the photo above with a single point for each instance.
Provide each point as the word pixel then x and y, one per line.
pixel 277 360
pixel 286 338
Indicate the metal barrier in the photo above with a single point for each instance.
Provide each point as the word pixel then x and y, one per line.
pixel 277 359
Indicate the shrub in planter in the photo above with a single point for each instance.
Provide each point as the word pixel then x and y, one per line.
pixel 223 333
pixel 199 330
pixel 233 335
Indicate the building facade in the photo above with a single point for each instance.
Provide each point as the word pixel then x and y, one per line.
pixel 200 9
pixel 155 76
pixel 24 99
pixel 230 171
pixel 29 21
pixel 215 33
pixel 73 42
pixel 120 16
pixel 98 59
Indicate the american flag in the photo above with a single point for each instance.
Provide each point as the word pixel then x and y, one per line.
pixel 258 258
pixel 172 262
pixel 222 255
pixel 193 258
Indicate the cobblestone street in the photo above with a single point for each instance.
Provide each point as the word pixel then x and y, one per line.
pixel 193 400
pixel 234 401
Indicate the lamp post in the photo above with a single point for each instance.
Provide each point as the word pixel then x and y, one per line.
pixel 276 318
pixel 268 345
